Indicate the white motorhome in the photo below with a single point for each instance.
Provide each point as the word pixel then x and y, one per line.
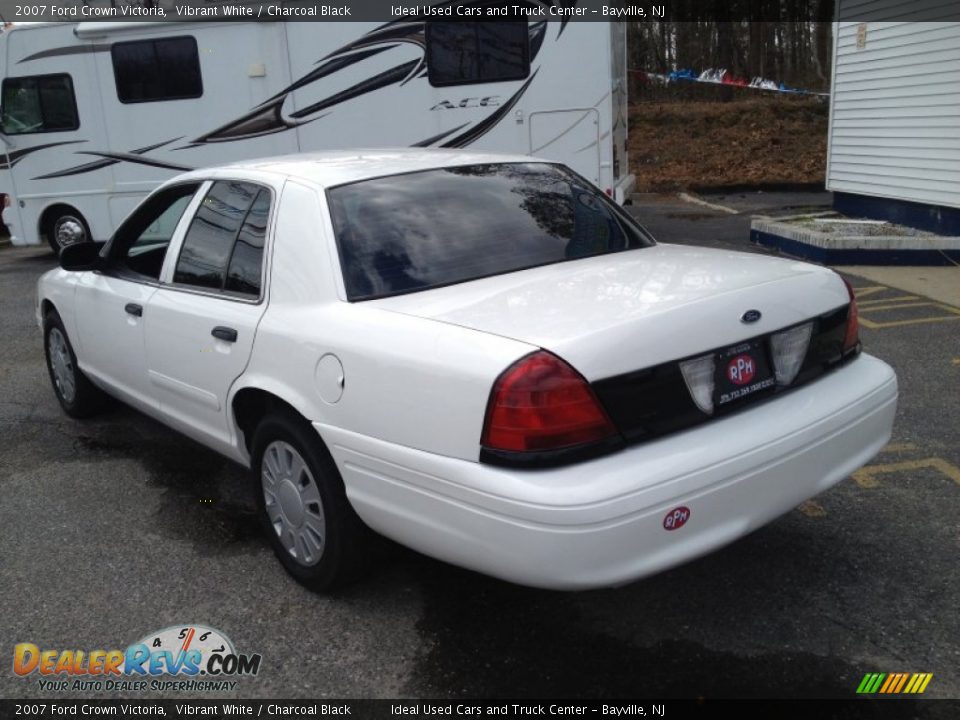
pixel 96 114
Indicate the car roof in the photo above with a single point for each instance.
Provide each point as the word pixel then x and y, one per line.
pixel 340 167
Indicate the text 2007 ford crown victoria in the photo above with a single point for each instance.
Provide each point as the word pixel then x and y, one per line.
pixel 478 356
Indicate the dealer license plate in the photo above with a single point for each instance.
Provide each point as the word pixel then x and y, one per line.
pixel 742 370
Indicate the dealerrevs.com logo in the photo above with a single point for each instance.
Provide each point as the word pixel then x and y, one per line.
pixel 178 658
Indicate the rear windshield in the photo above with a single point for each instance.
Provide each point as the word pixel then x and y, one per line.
pixel 403 233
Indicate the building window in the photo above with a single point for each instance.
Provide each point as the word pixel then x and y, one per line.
pixel 464 53
pixel 155 70
pixel 40 103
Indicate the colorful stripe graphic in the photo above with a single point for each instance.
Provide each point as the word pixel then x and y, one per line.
pixel 894 683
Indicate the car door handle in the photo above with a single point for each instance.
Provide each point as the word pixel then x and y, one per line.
pixel 224 333
pixel 134 309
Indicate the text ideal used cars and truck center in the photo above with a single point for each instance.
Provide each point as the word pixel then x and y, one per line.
pixel 482 357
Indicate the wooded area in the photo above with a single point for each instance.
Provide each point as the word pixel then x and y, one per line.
pixel 793 49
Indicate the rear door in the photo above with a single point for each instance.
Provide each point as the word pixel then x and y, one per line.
pixel 202 319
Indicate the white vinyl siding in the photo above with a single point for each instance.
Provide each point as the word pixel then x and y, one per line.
pixel 895 110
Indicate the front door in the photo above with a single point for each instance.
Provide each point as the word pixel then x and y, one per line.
pixel 111 304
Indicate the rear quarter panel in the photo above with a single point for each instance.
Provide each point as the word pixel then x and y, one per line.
pixel 418 383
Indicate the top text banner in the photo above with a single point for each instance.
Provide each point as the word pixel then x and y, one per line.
pixel 458 10
pixel 324 10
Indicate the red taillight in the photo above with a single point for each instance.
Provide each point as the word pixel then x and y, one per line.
pixel 541 403
pixel 852 337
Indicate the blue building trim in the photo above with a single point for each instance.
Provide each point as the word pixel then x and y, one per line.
pixel 932 218
pixel 858 256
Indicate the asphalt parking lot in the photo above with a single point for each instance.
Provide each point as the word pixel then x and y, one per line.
pixel 116 527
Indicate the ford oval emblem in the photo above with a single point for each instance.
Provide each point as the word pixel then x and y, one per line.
pixel 676 518
pixel 750 316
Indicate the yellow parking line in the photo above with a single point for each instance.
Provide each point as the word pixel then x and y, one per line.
pixel 880 326
pixel 898 447
pixel 919 321
pixel 867 477
pixel 905 298
pixel 870 290
pixel 811 509
pixel 904 302
pixel 897 306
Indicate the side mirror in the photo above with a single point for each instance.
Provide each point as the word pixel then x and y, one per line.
pixel 81 256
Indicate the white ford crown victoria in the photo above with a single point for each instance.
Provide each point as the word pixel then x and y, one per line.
pixel 478 356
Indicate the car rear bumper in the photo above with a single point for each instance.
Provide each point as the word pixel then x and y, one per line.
pixel 601 523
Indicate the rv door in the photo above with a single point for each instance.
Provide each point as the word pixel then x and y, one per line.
pixel 570 137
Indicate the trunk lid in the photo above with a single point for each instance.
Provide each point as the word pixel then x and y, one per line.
pixel 617 313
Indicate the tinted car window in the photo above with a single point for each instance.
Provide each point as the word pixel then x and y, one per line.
pixel 461 53
pixel 209 241
pixel 41 103
pixel 244 271
pixel 140 244
pixel 408 232
pixel 155 70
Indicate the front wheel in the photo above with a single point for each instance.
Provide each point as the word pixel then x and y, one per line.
pixel 303 505
pixel 78 396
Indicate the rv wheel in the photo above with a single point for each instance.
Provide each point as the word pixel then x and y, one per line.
pixel 66 228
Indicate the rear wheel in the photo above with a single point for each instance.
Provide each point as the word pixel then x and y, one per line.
pixel 77 395
pixel 303 505
pixel 66 227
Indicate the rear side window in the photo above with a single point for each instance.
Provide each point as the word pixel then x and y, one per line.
pixel 404 233
pixel 223 248
pixel 40 103
pixel 246 263
pixel 464 53
pixel 155 70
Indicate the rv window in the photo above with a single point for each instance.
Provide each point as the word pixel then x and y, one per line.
pixel 223 249
pixel 42 103
pixel 155 70
pixel 463 53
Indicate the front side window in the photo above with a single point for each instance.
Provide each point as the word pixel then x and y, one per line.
pixel 155 70
pixel 403 233
pixel 140 244
pixel 464 53
pixel 223 248
pixel 41 103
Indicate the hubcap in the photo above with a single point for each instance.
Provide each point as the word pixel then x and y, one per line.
pixel 68 231
pixel 293 502
pixel 62 365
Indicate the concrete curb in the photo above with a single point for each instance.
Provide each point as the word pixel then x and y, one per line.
pixel 829 249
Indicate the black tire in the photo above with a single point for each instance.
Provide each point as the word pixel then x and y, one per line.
pixel 84 398
pixel 59 223
pixel 343 551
